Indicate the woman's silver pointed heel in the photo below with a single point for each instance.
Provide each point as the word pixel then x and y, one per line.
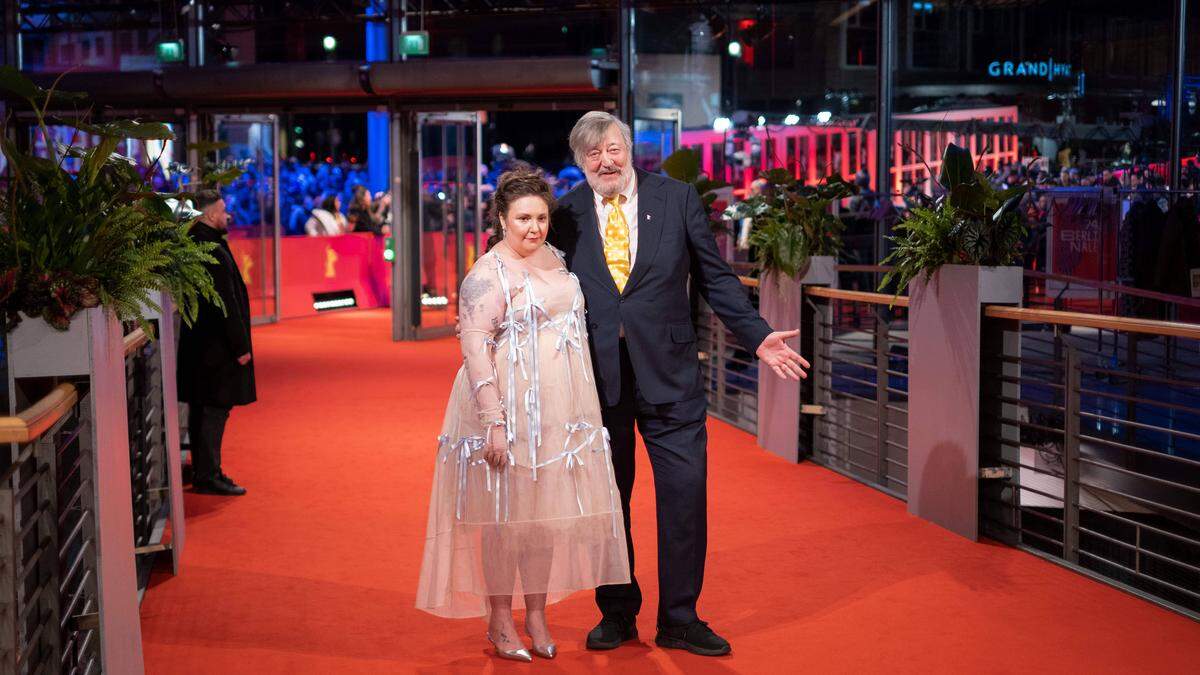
pixel 521 654
pixel 547 652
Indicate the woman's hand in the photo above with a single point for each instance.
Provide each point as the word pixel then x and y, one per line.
pixel 495 449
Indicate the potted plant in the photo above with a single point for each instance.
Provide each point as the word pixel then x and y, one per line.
pixel 97 244
pixel 971 223
pixel 954 254
pixel 794 233
pixel 98 238
pixel 796 239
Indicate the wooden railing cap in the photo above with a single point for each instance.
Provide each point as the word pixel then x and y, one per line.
pixel 31 423
pixel 135 340
pixel 1128 324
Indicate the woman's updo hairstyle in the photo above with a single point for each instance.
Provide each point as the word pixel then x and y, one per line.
pixel 523 180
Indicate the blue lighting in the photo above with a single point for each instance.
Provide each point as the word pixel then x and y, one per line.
pixel 378 127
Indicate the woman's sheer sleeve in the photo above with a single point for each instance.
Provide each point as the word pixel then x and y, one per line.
pixel 480 313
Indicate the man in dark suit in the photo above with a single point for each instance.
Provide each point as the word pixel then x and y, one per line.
pixel 634 239
pixel 215 371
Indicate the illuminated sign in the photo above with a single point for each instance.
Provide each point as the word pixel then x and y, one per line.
pixel 1049 69
pixel 414 43
pixel 169 51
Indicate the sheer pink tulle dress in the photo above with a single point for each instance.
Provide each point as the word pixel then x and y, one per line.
pixel 551 521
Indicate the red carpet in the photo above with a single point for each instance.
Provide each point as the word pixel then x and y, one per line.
pixel 315 570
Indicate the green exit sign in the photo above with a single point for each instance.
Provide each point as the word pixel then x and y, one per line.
pixel 169 51
pixel 414 43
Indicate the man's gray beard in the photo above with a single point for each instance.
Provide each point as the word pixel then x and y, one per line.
pixel 626 176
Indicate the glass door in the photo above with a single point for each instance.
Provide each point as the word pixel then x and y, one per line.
pixel 253 204
pixel 655 136
pixel 449 214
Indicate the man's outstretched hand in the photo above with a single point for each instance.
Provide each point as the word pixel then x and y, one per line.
pixel 783 359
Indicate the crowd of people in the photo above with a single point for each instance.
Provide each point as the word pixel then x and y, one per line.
pixel 327 198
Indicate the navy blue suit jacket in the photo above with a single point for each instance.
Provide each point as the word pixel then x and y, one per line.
pixel 675 242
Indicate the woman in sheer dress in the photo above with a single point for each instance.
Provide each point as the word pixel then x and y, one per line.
pixel 524 508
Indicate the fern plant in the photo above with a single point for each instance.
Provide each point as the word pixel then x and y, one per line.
pixel 99 237
pixel 972 223
pixel 791 222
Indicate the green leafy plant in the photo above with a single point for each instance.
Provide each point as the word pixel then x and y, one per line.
pixel 791 222
pixel 972 223
pixel 99 237
pixel 684 165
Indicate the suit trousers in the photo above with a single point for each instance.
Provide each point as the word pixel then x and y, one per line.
pixel 676 441
pixel 206 429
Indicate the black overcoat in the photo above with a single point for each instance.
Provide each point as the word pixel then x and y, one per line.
pixel 208 368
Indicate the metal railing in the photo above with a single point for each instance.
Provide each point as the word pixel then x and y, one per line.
pixel 858 422
pixel 149 481
pixel 48 548
pixel 1093 425
pixel 730 372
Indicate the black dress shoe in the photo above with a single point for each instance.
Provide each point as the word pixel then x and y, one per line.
pixel 696 637
pixel 216 486
pixel 612 631
pixel 225 477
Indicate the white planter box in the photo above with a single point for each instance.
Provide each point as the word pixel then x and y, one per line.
pixel 36 349
pixel 944 371
pixel 779 303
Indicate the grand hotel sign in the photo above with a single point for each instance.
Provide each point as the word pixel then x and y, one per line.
pixel 1048 69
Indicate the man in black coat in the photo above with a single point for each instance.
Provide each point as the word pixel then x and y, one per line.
pixel 634 240
pixel 215 368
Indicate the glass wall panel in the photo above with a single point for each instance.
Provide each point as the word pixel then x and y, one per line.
pixel 1075 90
pixel 1070 97
pixel 765 85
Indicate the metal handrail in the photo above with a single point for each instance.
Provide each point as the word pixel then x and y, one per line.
pixel 31 423
pixel 1103 322
pixel 45 519
pixel 863 437
pixel 1098 450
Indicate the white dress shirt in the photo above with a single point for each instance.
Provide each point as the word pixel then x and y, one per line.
pixel 629 206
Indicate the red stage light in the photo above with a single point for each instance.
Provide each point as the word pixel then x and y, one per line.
pixel 746 24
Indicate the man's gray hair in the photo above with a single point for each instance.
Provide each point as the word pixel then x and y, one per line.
pixel 590 129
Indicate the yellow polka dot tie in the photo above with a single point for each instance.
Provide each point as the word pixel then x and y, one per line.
pixel 616 243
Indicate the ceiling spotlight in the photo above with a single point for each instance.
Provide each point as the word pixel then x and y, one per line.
pixel 329 43
pixel 791 120
pixel 722 124
pixel 824 116
pixel 735 48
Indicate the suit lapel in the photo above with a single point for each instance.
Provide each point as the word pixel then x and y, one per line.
pixel 593 247
pixel 650 222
